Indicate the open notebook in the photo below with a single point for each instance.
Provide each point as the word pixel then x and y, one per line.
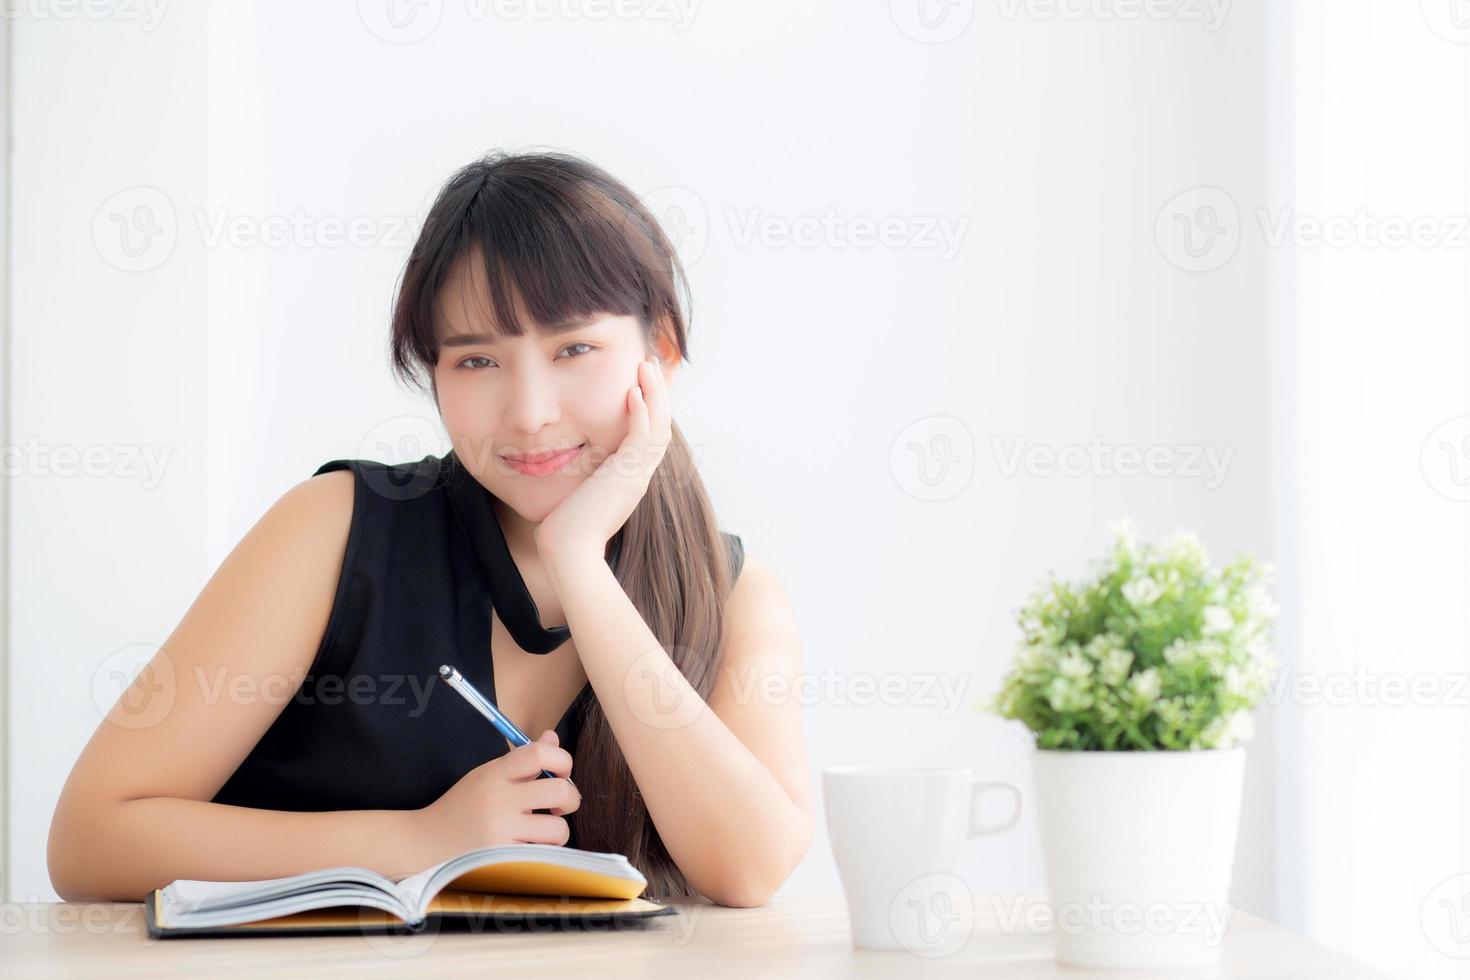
pixel 485 887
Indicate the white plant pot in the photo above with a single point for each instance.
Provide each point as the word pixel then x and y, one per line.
pixel 1138 848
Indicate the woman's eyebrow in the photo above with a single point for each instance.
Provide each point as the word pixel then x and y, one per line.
pixel 467 339
pixel 489 340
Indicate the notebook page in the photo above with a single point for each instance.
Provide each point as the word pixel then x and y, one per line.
pixel 189 894
pixel 284 905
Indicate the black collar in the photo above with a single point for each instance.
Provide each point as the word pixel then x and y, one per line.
pixel 472 507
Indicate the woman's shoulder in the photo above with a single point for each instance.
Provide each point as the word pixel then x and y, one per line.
pixel 395 482
pixel 759 617
pixel 371 501
pixel 323 498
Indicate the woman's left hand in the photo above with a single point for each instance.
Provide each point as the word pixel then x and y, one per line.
pixel 592 513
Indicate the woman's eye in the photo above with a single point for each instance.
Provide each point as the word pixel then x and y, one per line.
pixel 468 365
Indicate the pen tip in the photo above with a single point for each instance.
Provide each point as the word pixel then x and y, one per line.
pixel 445 670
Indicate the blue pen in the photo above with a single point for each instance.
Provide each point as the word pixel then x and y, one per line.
pixel 482 704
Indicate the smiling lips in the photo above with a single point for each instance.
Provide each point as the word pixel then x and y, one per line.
pixel 540 464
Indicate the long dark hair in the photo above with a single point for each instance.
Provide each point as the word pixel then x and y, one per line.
pixel 571 241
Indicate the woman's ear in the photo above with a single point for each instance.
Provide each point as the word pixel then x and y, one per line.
pixel 668 357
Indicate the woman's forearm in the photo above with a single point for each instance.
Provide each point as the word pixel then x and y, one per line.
pixel 120 851
pixel 725 819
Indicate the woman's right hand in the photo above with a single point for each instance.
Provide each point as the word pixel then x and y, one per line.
pixel 493 802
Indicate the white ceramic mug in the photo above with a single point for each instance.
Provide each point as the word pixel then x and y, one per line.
pixel 896 832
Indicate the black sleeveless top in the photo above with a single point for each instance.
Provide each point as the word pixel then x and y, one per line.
pixel 373 726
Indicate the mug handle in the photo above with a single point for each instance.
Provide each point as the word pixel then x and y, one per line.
pixel 978 829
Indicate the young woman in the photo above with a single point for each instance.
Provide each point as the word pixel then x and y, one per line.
pixel 295 718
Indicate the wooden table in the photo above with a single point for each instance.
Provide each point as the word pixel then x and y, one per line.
pixel 787 937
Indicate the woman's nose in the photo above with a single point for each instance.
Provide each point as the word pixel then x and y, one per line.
pixel 533 402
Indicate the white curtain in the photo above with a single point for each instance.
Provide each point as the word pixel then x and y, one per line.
pixel 1369 249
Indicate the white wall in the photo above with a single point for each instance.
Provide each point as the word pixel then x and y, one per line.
pixel 1059 319
pixel 4 440
pixel 106 550
pixel 1373 438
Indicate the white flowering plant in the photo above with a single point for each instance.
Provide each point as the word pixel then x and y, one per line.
pixel 1157 650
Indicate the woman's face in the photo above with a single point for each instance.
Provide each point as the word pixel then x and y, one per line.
pixel 531 394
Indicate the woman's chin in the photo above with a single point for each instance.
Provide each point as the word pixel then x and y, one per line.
pixel 533 504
